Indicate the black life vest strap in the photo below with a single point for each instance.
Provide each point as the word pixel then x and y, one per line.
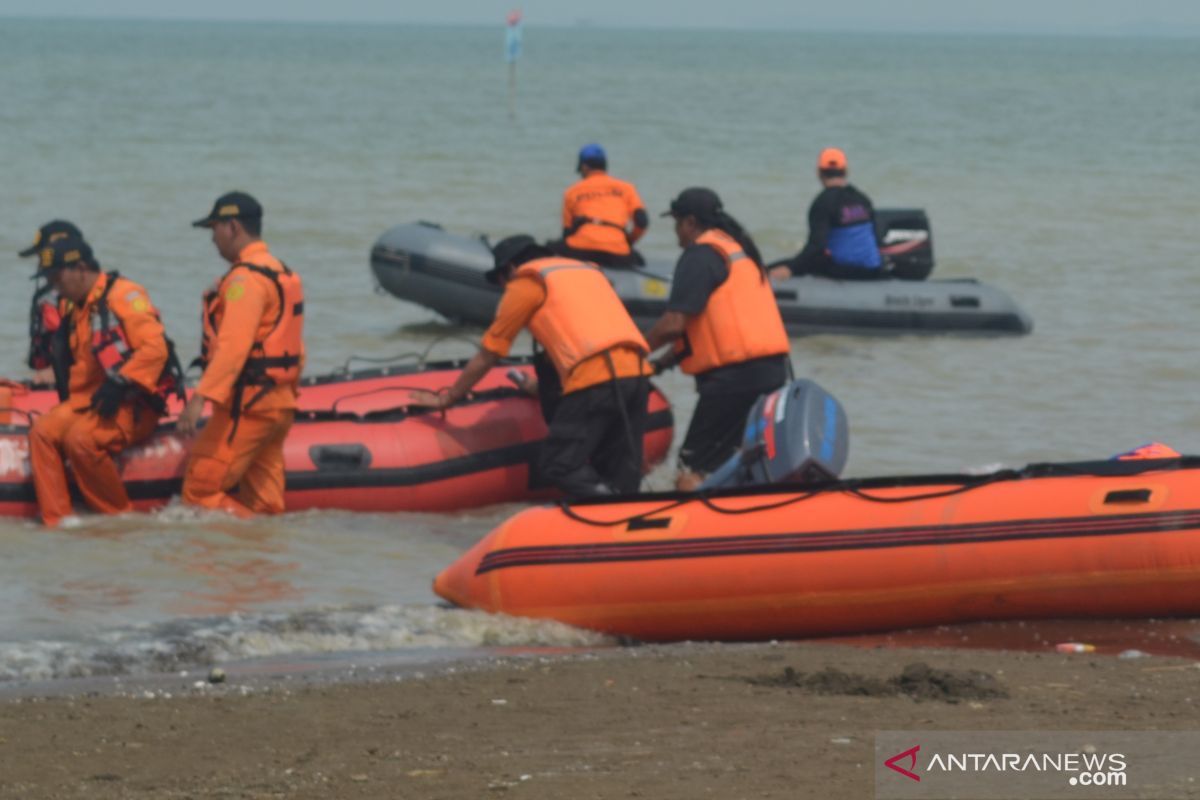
pixel 579 222
pixel 62 357
pixel 173 370
pixel 272 362
pixel 102 302
pixel 251 377
pixel 35 310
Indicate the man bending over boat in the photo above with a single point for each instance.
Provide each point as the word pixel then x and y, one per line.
pixel 594 446
pixel 725 328
pixel 602 216
pixel 119 370
pixel 841 229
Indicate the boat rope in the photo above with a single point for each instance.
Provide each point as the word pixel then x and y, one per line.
pixel 708 502
pixel 421 359
pixel 406 409
pixel 345 368
pixel 855 487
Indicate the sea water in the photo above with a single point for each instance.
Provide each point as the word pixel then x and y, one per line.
pixel 1064 170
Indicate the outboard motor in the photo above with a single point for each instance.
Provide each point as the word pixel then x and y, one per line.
pixel 797 434
pixel 905 242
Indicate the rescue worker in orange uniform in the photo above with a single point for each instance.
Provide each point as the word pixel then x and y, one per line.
pixel 45 312
pixel 602 216
pixel 119 372
pixel 594 446
pixel 725 328
pixel 252 354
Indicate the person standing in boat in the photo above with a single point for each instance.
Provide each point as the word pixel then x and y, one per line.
pixel 594 446
pixel 602 216
pixel 119 371
pixel 725 328
pixel 46 314
pixel 253 354
pixel 842 242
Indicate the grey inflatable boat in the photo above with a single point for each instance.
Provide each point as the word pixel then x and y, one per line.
pixel 422 263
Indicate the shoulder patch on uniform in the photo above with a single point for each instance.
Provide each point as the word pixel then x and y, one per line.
pixel 235 292
pixel 137 300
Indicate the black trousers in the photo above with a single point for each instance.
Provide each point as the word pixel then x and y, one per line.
pixel 821 264
pixel 715 433
pixel 595 441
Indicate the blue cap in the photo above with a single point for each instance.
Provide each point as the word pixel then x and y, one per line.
pixel 593 155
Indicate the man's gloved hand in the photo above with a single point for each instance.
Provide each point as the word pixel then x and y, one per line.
pixel 108 397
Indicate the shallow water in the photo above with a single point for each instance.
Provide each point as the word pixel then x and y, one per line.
pixel 1063 170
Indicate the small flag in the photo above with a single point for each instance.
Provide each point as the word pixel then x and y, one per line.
pixel 512 38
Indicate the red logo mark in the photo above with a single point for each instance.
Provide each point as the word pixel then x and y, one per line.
pixel 911 755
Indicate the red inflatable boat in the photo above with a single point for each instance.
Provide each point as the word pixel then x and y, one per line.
pixel 356 445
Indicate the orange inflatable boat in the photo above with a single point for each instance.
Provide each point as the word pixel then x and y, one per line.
pixel 1096 539
pixel 356 445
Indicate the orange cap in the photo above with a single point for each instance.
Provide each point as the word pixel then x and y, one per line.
pixel 831 158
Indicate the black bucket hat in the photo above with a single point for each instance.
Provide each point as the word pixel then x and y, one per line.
pixel 512 249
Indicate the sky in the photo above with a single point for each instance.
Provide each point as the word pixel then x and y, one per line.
pixel 1081 17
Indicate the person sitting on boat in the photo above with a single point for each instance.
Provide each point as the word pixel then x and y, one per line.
pixel 45 312
pixel 841 229
pixel 602 216
pixel 253 354
pixel 118 371
pixel 725 326
pixel 594 446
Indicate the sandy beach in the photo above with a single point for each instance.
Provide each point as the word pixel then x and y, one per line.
pixel 684 721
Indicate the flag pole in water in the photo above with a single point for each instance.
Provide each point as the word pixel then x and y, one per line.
pixel 512 51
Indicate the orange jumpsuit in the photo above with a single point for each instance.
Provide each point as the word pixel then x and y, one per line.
pixel 248 453
pixel 72 430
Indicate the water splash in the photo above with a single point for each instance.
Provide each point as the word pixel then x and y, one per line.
pixel 201 642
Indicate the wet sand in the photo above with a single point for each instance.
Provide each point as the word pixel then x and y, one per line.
pixel 685 721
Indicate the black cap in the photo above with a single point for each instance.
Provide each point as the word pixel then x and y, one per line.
pixel 234 205
pixel 51 232
pixel 697 202
pixel 63 253
pixel 513 249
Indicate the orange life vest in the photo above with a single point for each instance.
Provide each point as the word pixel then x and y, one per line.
pixel 275 359
pixel 582 315
pixel 110 346
pixel 741 320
